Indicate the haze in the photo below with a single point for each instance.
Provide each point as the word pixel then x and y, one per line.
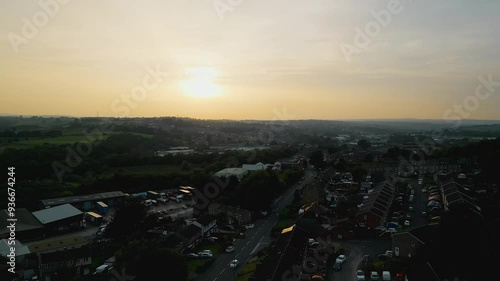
pixel 249 62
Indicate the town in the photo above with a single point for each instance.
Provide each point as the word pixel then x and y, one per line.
pixel 187 199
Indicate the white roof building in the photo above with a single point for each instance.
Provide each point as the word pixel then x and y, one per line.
pixel 228 172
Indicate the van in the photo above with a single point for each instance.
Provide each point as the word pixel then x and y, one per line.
pixel 386 276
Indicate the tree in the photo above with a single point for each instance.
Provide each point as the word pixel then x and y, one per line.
pixel 364 143
pixel 146 260
pixel 317 159
pixel 257 191
pixel 129 217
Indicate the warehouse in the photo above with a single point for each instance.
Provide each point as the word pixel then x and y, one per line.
pixel 27 226
pixel 62 218
pixel 85 202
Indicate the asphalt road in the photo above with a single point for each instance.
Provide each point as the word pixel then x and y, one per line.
pixel 254 238
pixel 419 206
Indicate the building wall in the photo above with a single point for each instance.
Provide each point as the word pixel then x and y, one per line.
pixel 405 245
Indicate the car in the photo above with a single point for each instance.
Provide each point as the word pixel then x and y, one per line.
pixel 212 239
pixel 383 257
pixel 407 223
pixel 424 190
pixel 360 275
pixel 392 230
pixel 389 253
pixel 185 206
pixel 386 276
pixel 366 258
pixel 234 263
pixel 250 226
pixel 191 255
pixel 424 214
pixel 229 249
pixel 400 276
pixel 205 252
pixel 206 255
pixel 374 276
pixel 341 258
pixel 410 209
pixel 337 266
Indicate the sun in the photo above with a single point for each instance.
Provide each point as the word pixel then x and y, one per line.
pixel 200 82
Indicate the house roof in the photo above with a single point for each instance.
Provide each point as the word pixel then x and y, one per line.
pixel 205 220
pixel 190 231
pixel 424 234
pixel 25 221
pixel 66 255
pixel 82 198
pixel 56 213
pixel 287 252
pixel 45 246
pixel 20 248
pixel 454 192
pixel 379 199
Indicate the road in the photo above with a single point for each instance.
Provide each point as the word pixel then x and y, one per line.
pixel 355 250
pixel 255 238
pixel 419 206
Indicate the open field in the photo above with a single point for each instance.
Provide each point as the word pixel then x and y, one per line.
pixel 68 137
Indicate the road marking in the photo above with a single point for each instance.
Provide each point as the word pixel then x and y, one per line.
pixel 215 278
pixel 222 271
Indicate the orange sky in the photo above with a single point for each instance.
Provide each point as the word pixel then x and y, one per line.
pixel 248 61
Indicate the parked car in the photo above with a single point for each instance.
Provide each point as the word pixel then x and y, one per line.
pixel 212 238
pixel 206 255
pixel 386 276
pixel 366 258
pixel 234 263
pixel 341 258
pixel 249 226
pixel 389 253
pixel 360 275
pixel 424 190
pixel 407 223
pixel 383 257
pixel 191 255
pixel 400 276
pixel 229 249
pixel 374 276
pixel 337 266
pixel 424 214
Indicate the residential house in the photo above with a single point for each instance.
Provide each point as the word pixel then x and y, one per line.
pixel 190 236
pixel 286 258
pixel 376 204
pixel 78 261
pixel 409 244
pixel 233 215
pixel 207 224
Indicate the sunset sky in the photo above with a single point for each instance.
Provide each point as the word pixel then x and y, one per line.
pixel 250 61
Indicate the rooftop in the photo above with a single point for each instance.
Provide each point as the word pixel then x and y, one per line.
pixel 25 221
pixel 82 198
pixel 46 246
pixel 56 213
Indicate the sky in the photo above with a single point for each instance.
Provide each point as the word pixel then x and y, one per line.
pixel 251 59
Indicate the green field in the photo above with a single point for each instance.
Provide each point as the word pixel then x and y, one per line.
pixel 68 137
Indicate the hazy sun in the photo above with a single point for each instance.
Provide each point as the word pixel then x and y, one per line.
pixel 200 82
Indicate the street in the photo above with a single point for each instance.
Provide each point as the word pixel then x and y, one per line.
pixel 256 239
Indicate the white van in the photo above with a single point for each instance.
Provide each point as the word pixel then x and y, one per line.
pixel 386 276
